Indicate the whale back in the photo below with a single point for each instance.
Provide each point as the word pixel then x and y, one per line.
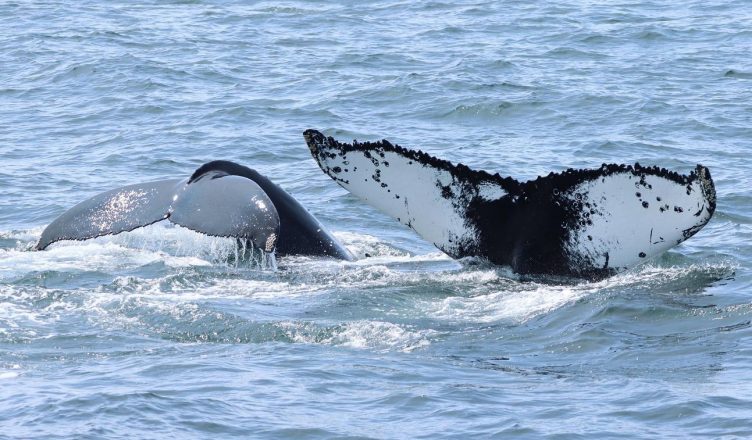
pixel 300 232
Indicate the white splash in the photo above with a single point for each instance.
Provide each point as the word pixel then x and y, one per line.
pixel 374 335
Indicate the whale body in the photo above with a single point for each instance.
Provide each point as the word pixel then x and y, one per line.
pixel 585 223
pixel 221 198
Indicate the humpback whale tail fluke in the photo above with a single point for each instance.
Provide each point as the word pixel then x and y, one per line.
pixel 213 203
pixel 584 223
pixel 221 198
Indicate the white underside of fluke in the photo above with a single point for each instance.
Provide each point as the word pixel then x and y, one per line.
pixel 633 218
pixel 430 200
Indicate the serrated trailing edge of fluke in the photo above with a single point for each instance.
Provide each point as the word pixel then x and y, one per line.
pixel 316 140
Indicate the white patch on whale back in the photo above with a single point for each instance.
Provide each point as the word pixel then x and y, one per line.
pixel 632 220
pixel 491 191
pixel 411 192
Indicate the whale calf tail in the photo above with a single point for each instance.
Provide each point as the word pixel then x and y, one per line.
pixel 220 198
pixel 585 223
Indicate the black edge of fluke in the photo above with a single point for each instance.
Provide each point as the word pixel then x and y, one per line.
pixel 45 242
pixel 316 141
pixel 539 226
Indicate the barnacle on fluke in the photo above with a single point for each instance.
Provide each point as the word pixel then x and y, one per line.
pixel 580 222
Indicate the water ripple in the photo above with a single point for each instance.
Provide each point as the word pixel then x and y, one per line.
pixel 158 333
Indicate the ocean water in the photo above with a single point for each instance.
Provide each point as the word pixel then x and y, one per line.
pixel 159 334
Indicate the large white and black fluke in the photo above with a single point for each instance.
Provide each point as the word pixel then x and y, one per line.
pixel 221 199
pixel 585 223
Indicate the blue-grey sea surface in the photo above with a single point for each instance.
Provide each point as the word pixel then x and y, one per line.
pixel 159 333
